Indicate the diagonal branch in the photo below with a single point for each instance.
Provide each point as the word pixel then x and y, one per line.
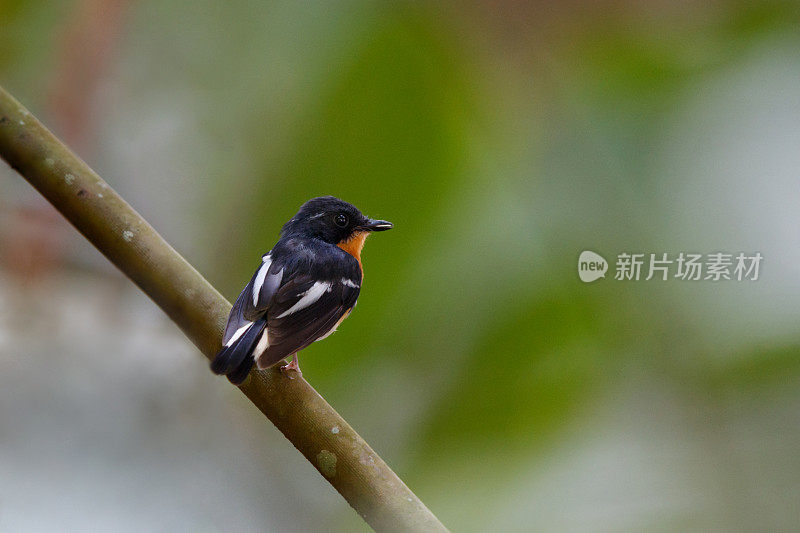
pixel 128 241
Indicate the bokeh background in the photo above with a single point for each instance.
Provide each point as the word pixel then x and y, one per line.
pixel 502 138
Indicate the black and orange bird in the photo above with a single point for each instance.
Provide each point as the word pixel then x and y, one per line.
pixel 305 286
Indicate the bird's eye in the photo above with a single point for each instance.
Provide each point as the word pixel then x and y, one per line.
pixel 340 220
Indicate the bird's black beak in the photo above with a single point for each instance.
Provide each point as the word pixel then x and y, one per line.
pixel 377 225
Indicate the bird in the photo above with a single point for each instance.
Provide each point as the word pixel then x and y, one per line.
pixel 305 286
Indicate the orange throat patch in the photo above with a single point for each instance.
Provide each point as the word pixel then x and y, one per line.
pixel 354 245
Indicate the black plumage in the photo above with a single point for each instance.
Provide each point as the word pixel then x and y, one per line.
pixel 305 286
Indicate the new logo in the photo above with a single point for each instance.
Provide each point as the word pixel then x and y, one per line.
pixel 591 266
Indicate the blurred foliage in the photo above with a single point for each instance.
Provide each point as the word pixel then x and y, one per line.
pixel 516 391
pixel 27 40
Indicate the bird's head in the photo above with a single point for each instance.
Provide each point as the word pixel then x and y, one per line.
pixel 332 220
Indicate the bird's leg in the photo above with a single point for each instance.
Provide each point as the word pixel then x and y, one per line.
pixel 292 366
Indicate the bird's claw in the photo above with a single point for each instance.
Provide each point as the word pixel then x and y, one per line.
pixel 293 366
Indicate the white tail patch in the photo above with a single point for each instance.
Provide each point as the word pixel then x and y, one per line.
pixel 309 297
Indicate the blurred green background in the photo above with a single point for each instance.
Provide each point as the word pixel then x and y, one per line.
pixel 502 139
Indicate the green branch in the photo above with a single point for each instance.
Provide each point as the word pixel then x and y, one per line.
pixel 344 459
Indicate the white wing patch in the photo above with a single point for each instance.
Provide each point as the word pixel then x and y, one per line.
pixel 238 333
pixel 309 297
pixel 262 274
pixel 350 283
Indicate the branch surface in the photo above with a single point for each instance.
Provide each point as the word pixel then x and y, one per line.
pixel 344 459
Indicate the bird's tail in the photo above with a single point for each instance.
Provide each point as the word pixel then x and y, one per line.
pixel 235 360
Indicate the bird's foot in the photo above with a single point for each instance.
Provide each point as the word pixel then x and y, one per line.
pixel 293 366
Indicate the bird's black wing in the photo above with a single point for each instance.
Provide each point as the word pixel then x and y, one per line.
pixel 247 322
pixel 254 300
pixel 306 308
